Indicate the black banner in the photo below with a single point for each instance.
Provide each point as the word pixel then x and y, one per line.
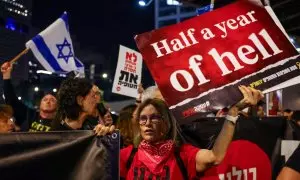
pixel 74 155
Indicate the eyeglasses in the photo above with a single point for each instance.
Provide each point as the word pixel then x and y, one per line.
pixel 12 119
pixel 154 118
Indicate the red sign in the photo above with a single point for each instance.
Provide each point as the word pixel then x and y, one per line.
pixel 210 52
pixel 249 163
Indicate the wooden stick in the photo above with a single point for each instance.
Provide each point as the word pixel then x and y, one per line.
pixel 19 56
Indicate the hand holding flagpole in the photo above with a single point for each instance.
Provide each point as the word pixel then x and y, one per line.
pixel 6 67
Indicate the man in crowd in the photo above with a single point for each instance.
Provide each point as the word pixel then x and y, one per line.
pixel 27 118
pixel 296 117
pixel 288 113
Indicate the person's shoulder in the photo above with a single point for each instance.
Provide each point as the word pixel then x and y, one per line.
pixel 188 147
pixel 127 150
pixel 125 153
pixel 188 151
pixel 293 161
pixel 288 173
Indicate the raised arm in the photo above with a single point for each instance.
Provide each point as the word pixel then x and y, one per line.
pixel 10 95
pixel 206 158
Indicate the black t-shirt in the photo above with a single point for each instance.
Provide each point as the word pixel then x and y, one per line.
pixel 63 126
pixel 40 125
pixel 294 160
pixel 90 123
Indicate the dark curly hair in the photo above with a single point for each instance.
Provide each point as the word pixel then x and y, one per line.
pixel 67 106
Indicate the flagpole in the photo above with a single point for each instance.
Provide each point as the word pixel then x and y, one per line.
pixel 19 56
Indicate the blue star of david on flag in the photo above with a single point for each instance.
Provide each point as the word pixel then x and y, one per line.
pixel 54 50
pixel 61 47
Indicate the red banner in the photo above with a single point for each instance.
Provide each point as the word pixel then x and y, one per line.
pixel 243 160
pixel 212 52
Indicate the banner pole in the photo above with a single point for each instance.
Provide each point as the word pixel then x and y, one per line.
pixel 19 56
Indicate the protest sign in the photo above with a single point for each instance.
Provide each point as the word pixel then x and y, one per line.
pixel 199 63
pixel 128 73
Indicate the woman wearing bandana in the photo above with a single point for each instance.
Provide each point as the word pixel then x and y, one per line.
pixel 157 154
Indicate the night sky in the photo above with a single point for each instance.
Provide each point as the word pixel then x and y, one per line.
pixel 100 26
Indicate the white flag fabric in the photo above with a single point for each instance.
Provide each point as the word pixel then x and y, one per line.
pixel 53 48
pixel 80 68
pixel 128 73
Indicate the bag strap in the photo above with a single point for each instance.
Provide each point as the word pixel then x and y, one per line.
pixel 181 164
pixel 130 159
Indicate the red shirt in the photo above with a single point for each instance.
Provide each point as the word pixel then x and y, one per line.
pixel 171 169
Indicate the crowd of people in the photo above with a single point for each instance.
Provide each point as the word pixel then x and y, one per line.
pixel 150 136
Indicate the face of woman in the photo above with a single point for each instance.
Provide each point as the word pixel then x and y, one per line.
pixel 89 102
pixel 97 93
pixel 152 126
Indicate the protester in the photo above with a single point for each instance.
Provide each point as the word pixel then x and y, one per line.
pixel 76 100
pixel 260 109
pixel 107 119
pixel 151 92
pixel 158 152
pixel 6 119
pixel 288 113
pixel 125 125
pixel 97 118
pixel 26 117
pixel 140 91
pixel 296 117
pixel 291 171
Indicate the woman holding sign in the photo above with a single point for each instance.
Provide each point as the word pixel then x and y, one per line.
pixel 157 151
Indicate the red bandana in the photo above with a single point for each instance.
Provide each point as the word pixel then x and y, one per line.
pixel 154 156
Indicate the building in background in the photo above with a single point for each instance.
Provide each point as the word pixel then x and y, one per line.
pixel 15 26
pixel 169 12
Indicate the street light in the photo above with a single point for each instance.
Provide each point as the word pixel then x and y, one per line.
pixel 144 2
pixel 104 75
pixel 173 2
pixel 54 90
pixel 36 89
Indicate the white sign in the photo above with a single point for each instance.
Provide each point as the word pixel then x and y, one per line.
pixel 288 147
pixel 128 73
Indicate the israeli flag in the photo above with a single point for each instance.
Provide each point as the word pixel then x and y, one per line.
pixel 53 48
pixel 80 68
